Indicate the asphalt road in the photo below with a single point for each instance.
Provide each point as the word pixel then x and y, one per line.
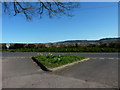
pixel 19 71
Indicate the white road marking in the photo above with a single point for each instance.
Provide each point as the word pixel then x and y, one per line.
pixel 101 58
pixel 16 57
pixel 93 58
pixel 105 58
pixel 111 58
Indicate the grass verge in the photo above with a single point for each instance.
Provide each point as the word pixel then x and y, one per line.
pixel 51 61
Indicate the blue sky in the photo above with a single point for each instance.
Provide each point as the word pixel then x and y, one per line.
pixel 92 21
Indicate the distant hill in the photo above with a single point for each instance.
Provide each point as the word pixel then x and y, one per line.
pixel 102 45
pixel 87 41
pixel 109 40
pixel 77 41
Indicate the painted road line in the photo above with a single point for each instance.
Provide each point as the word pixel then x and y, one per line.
pixel 101 58
pixel 15 57
pixel 111 58
pixel 105 58
pixel 93 58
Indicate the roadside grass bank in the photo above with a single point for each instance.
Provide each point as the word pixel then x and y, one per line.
pixel 52 61
pixel 64 49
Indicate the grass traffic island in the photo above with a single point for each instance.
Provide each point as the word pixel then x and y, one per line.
pixel 52 61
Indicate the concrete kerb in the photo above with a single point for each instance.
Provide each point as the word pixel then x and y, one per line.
pixel 70 64
pixel 44 68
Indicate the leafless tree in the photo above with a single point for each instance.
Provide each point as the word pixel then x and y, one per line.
pixel 30 9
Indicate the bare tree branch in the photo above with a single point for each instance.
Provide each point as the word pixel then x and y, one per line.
pixel 30 9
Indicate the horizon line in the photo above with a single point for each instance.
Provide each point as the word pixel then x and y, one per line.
pixel 62 40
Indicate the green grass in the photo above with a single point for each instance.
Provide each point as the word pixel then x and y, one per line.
pixel 52 61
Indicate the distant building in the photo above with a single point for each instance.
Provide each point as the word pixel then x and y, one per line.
pixel 7 45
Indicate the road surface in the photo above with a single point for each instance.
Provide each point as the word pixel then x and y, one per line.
pixel 19 71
